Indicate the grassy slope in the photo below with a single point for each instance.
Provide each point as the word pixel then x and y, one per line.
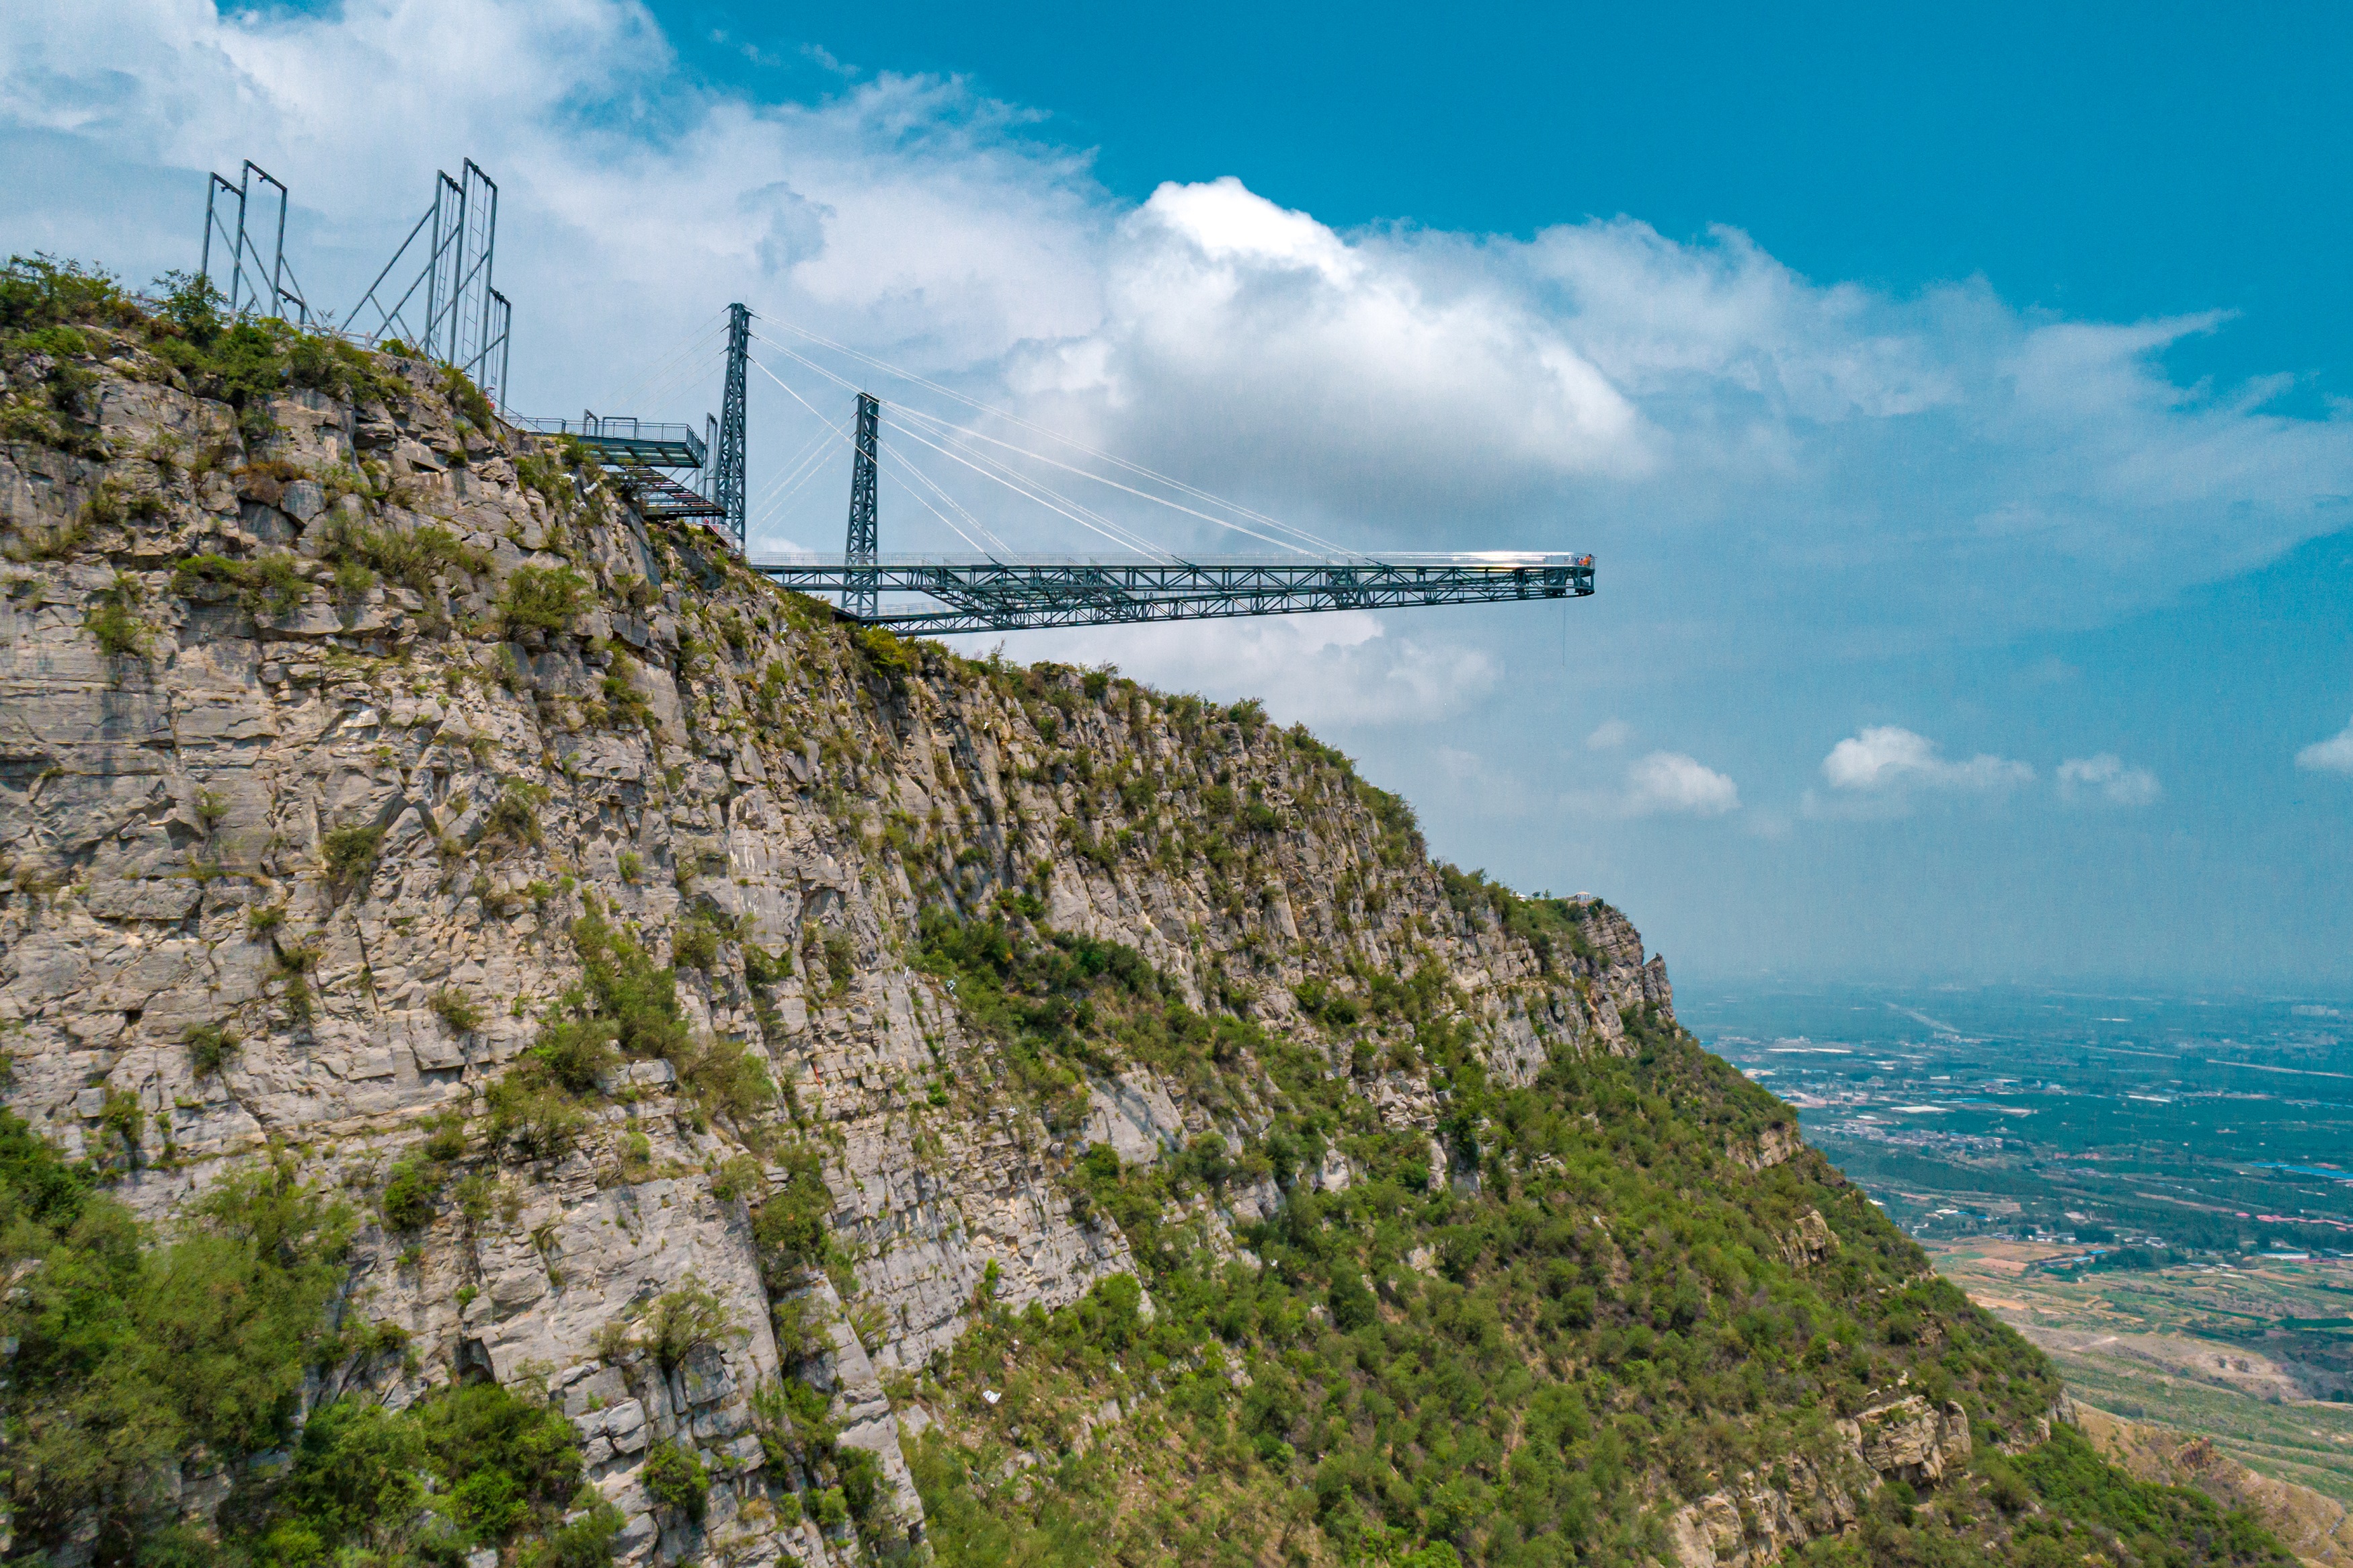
pixel 1608 1321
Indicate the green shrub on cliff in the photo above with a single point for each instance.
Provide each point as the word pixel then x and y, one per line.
pixel 411 557
pixel 113 619
pixel 268 586
pixel 41 292
pixel 676 1481
pixel 625 1008
pixel 132 1350
pixel 790 1225
pixel 350 853
pixel 542 599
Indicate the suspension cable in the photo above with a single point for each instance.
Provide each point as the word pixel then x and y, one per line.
pixel 1139 470
pixel 1174 506
pixel 809 458
pixel 1051 501
pixel 995 546
pixel 935 511
pixel 813 458
pixel 664 372
pixel 995 469
pixel 1054 501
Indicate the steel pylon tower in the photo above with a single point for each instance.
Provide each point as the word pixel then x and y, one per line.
pixel 727 473
pixel 859 594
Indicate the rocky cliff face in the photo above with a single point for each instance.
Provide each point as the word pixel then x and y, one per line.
pixel 705 1007
pixel 171 817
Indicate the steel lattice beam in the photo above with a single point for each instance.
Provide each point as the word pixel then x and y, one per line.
pixel 656 495
pixel 727 480
pixel 993 596
pixel 857 599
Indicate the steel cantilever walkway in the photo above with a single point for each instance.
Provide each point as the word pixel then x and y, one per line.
pixel 984 595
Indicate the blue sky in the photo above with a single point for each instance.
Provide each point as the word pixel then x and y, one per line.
pixel 2115 161
pixel 1955 404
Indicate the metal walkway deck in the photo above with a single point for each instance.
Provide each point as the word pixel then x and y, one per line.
pixel 985 595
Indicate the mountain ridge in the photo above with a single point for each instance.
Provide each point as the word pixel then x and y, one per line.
pixel 755 1088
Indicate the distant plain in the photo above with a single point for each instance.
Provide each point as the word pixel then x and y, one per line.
pixel 2156 1189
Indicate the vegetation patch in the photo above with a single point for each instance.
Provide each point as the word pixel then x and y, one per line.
pixel 542 599
pixel 113 619
pixel 133 1350
pixel 211 1047
pixel 626 1007
pixel 351 855
pixel 459 1010
pixel 1496 1371
pixel 411 557
pixel 268 586
pixel 676 1481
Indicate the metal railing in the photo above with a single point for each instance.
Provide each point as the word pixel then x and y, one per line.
pixel 639 440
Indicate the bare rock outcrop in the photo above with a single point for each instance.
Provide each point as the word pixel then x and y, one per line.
pixel 1755 1522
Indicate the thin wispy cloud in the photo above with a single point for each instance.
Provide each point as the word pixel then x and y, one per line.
pixel 2106 780
pixel 1610 734
pixel 2333 755
pixel 1474 784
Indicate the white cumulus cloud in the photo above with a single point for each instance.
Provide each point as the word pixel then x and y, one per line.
pixel 1595 385
pixel 1236 326
pixel 2333 755
pixel 1610 734
pixel 2105 779
pixel 635 200
pixel 1887 758
pixel 1671 782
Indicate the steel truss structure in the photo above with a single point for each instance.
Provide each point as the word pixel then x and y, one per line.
pixel 858 553
pixel 996 596
pixel 657 497
pixel 267 298
pixel 986 594
pixel 726 481
pixel 460 320
pixel 634 452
